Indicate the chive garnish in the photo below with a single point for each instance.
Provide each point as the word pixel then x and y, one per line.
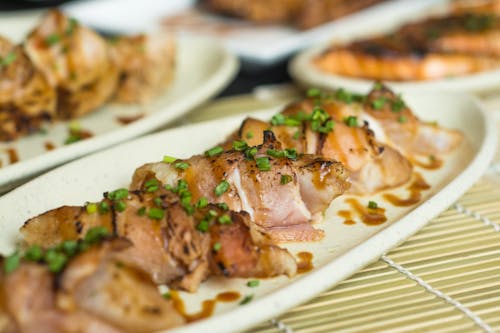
pixel 156 213
pixel 91 208
pixel 351 121
pixel 202 226
pixel 169 159
pixel 181 165
pixel 263 163
pixel 224 219
pixel 285 179
pixel 52 39
pixel 221 188
pixel 253 283
pixel 214 151
pixel 12 262
pixel 372 205
pixel 247 299
pixel 217 246
pixel 239 145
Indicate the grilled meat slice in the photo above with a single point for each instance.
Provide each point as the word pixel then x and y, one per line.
pixel 75 60
pixel 303 14
pixel 474 34
pixel 167 241
pixel 372 165
pixel 145 64
pixel 95 292
pixel 270 193
pixel 404 130
pixel 26 98
pixel 394 58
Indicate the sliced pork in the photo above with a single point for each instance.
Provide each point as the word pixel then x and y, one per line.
pixel 94 292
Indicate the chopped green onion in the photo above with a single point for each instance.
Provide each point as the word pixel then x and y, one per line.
pixel 225 219
pixel 141 211
pixel 285 179
pixel 212 213
pixel 181 165
pixel 253 283
pixel 52 39
pixel 351 121
pixel 377 86
pixel 203 226
pixel 249 135
pixel 313 92
pixel 372 205
pixel 202 203
pixel 378 103
pixel 221 188
pixel 12 262
pixel 214 151
pixel 296 135
pixel 119 194
pixel 34 253
pixel 156 213
pixel 250 153
pixel 55 260
pixel 103 207
pixel 70 247
pixel 95 234
pixel 263 163
pixel 398 105
pixel 71 26
pixel 344 96
pixel 151 185
pixel 91 208
pixel 223 206
pixel 278 119
pixel 169 159
pixel 167 295
pixel 402 119
pixel 217 246
pixel 239 145
pixel 120 205
pixel 8 59
pixel 247 299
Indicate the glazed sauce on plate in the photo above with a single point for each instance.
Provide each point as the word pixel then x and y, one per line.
pixel 13 155
pixel 347 216
pixel 207 306
pixel 305 262
pixel 125 120
pixel 49 146
pixel 433 163
pixel 369 216
pixel 417 186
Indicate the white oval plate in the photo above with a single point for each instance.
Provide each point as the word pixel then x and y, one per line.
pixel 203 69
pixel 303 71
pixel 344 250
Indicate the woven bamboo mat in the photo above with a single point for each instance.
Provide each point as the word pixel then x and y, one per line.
pixel 446 278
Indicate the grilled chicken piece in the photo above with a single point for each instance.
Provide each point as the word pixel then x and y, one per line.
pixel 26 98
pixel 404 130
pixel 96 292
pixel 372 166
pixel 476 34
pixel 304 14
pixel 430 49
pixel 274 205
pixel 146 66
pixel 75 60
pixel 169 246
pixel 397 59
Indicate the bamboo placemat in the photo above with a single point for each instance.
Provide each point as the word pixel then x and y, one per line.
pixel 446 278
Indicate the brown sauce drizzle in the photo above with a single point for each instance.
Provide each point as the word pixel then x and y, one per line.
pixel 49 146
pixel 305 262
pixel 13 155
pixel 207 307
pixel 415 188
pixel 125 120
pixel 369 216
pixel 432 164
pixel 347 216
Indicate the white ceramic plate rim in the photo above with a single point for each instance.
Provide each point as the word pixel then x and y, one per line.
pixel 227 69
pixel 303 71
pixel 343 266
